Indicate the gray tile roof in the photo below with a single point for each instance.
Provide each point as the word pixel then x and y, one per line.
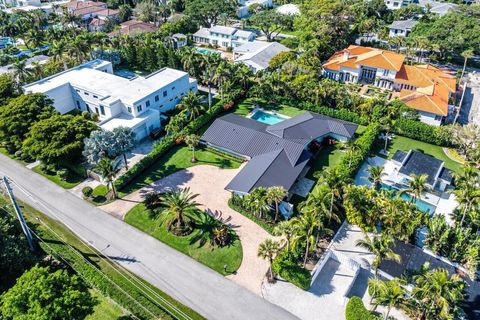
pixel 399 156
pixel 403 24
pixel 419 163
pixel 277 152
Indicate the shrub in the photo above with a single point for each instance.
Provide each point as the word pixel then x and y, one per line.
pixel 87 192
pixel 423 132
pixel 63 174
pixel 235 203
pixel 342 114
pixel 285 267
pixel 355 310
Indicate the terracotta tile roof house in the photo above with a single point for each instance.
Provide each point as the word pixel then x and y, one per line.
pixel 133 27
pixel 96 25
pixel 423 87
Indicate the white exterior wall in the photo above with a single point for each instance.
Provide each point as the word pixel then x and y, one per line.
pixel 430 118
pixel 62 98
pixel 397 32
pixel 397 4
pixel 386 74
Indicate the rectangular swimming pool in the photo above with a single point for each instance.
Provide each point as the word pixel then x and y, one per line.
pixel 420 204
pixel 207 51
pixel 266 117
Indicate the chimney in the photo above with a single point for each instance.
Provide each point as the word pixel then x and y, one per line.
pixel 346 54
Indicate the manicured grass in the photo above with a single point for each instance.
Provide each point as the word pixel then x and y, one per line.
pixel 177 159
pixel 72 180
pixel 99 195
pixel 405 144
pixel 212 256
pixel 55 235
pixel 329 156
pixel 246 106
pixel 106 309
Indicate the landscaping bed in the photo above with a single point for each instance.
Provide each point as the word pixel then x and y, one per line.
pixel 71 179
pixel 214 257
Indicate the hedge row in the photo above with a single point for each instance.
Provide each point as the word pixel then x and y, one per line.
pixel 342 114
pixel 421 131
pixel 165 145
pixel 291 271
pixel 355 310
pixel 232 204
pixel 351 161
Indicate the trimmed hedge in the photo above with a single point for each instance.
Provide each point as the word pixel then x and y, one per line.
pixel 421 131
pixel 355 310
pixel 341 114
pixel 267 227
pixel 291 271
pixel 165 145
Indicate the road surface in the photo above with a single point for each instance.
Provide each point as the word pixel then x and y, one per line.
pixel 188 281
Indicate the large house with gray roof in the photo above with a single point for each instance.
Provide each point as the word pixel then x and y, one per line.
pixel 277 153
pixel 222 36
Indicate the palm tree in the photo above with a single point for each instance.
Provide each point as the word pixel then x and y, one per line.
pixel 108 171
pixel 416 186
pixel 467 54
pixel 375 175
pixel 179 203
pixel 380 247
pixel 438 294
pixel 257 201
pixel 335 183
pixel 192 141
pixel 467 196
pixel 306 225
pixel 57 50
pixel 387 293
pixel 285 229
pixel 275 195
pixel 164 11
pixel 21 71
pixel 190 105
pixel 268 249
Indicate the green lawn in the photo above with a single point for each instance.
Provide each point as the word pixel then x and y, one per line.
pixel 99 195
pixel 329 156
pixel 212 256
pixel 405 144
pixel 106 309
pixel 72 180
pixel 246 106
pixel 177 159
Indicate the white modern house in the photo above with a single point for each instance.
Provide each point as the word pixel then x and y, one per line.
pixel 224 37
pixel 257 54
pixel 244 5
pixel 134 103
pixel 397 4
pixel 401 28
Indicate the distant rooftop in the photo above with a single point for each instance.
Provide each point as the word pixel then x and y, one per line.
pixel 403 24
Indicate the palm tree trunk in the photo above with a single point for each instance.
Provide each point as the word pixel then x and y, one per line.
pixel 193 154
pixel 388 312
pixel 209 96
pixel 113 189
pixel 125 160
pixel 276 212
pixel 464 214
pixel 270 269
pixel 306 254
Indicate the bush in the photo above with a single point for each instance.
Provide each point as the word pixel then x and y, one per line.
pixel 235 203
pixel 424 132
pixel 100 191
pixel 285 267
pixel 341 114
pixel 63 174
pixel 87 192
pixel 355 310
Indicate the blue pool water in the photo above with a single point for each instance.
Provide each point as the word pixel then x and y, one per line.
pixel 421 205
pixel 266 117
pixel 207 51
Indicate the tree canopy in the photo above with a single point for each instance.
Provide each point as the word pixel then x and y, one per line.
pixel 208 12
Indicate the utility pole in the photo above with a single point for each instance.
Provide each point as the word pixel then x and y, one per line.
pixel 23 224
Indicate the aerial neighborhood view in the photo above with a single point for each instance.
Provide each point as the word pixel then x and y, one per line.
pixel 240 159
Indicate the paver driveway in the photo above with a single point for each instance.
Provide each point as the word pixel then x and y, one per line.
pixel 209 182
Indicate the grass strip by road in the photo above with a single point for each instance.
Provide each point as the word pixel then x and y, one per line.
pixel 212 256
pixel 129 291
pixel 71 181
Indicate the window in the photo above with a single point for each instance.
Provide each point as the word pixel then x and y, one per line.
pixel 165 93
pixel 95 97
pixel 78 105
pixel 156 98
pixel 385 72
pixel 171 100
pixel 147 104
pixel 102 110
pixel 129 110
pixel 438 118
pixel 96 110
pixel 173 88
pixel 88 108
pixel 139 108
pixel 86 93
pixel 77 90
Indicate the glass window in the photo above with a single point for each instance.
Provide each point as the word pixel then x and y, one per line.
pixel 173 88
pixel 147 104
pixel 139 108
pixel 129 109
pixel 86 93
pixel 156 98
pixel 164 93
pixel 102 109
pixel 95 97
pixel 96 110
pixel 78 104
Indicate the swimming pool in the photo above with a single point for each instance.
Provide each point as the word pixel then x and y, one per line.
pixel 266 117
pixel 207 51
pixel 420 204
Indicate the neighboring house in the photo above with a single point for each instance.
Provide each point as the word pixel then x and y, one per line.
pixel 257 54
pixel 96 25
pixel 135 103
pixel 101 17
pixel 289 9
pixel 10 6
pixel 224 37
pixel 422 87
pixel 397 4
pixel 437 7
pixel 177 40
pixel 417 163
pixel 401 28
pixel 278 154
pixel 29 63
pixel 133 27
pixel 244 5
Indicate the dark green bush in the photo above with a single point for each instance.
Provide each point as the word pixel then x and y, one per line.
pixel 421 131
pixel 285 267
pixel 341 114
pixel 87 191
pixel 235 203
pixel 355 310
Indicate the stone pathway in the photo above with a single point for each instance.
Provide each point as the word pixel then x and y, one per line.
pixel 209 182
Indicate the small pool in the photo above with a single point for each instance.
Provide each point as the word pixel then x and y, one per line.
pixel 207 51
pixel 266 117
pixel 421 205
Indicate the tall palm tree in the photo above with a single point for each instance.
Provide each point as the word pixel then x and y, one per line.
pixel 21 71
pixel 331 177
pixel 467 54
pixel 375 175
pixel 256 201
pixel 467 196
pixel 275 195
pixel 190 105
pixel 285 229
pixel 417 186
pixel 268 249
pixel 192 141
pixel 306 226
pixel 387 293
pixel 57 50
pixel 179 203
pixel 438 294
pixel 108 171
pixel 380 247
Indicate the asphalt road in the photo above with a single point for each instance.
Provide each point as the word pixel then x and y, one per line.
pixel 188 281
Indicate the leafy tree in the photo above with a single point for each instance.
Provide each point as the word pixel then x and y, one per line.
pixel 275 195
pixel 192 140
pixel 271 22
pixel 280 59
pixel 98 145
pixel 417 186
pixel 375 175
pixel 286 230
pixel 19 115
pixel 58 139
pixel 124 141
pixel 380 247
pixel 181 204
pixel 208 12
pixel 108 171
pixel 42 293
pixel 147 11
pixel 124 12
pixel 268 249
pixel 190 105
pixel 7 88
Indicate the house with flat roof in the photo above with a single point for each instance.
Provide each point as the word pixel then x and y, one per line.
pixel 277 154
pixel 425 88
pixel 257 54
pixel 401 28
pixel 136 103
pixel 224 37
